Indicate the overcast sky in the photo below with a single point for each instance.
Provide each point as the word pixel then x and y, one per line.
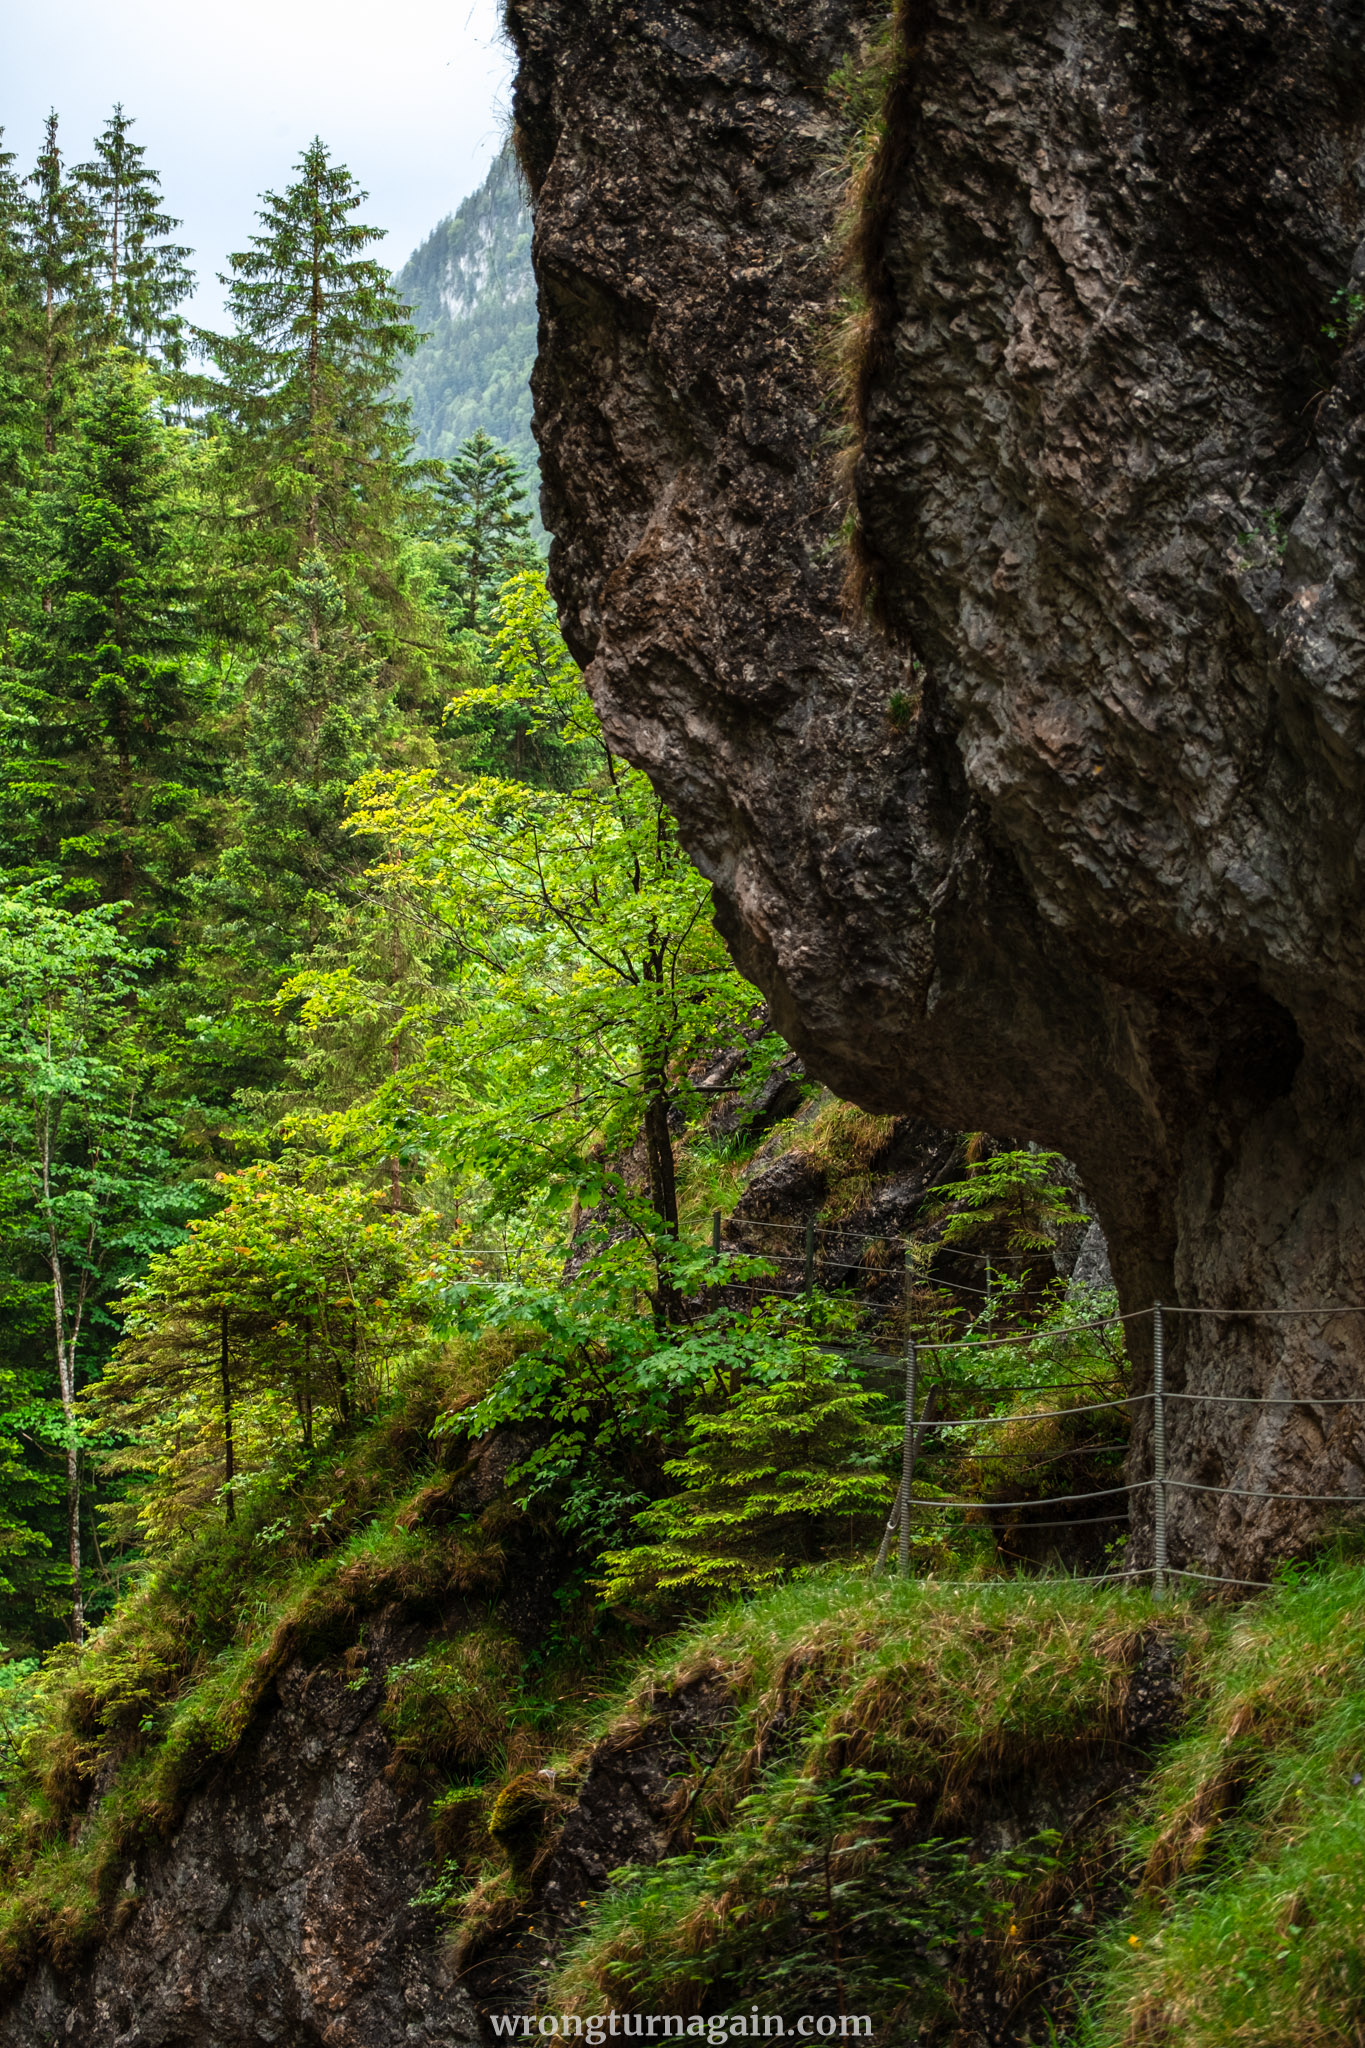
pixel 412 96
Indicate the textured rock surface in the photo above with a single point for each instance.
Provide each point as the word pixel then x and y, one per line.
pixel 633 1805
pixel 1103 887
pixel 279 1911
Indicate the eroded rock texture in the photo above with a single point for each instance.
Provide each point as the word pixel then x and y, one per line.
pixel 279 1912
pixel 1091 870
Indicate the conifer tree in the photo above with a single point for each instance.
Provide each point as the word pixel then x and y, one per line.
pixel 60 232
pixel 103 690
pixel 141 273
pixel 318 718
pixel 18 409
pixel 481 514
pixel 316 445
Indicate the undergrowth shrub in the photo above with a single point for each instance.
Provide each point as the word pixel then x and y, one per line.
pixel 771 1480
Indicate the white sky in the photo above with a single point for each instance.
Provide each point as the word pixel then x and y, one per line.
pixel 412 96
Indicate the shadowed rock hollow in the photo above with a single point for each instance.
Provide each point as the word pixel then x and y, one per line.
pixel 1087 866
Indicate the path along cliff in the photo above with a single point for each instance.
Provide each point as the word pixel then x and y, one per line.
pixel 1055 829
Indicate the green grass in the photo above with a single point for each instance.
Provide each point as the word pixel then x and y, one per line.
pixel 1250 1925
pixel 885 1814
pixel 826 1855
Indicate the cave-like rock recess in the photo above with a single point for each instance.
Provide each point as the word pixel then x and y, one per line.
pixel 1068 842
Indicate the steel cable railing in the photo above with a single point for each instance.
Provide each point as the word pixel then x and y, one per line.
pixel 1160 1484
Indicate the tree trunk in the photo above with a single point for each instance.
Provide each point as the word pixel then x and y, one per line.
pixel 229 1459
pixel 66 1384
pixel 663 1195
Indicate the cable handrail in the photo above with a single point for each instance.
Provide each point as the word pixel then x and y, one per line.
pixel 1274 1400
pixel 1160 1484
pixel 1047 1500
pixel 1255 1493
pixel 1030 1414
pixel 1345 1308
pixel 1133 1315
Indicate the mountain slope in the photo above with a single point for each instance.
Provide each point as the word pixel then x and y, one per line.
pixel 472 292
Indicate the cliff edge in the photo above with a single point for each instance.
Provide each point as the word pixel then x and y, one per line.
pixel 1066 842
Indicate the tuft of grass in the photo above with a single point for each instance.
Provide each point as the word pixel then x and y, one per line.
pixel 872 91
pixel 1250 1924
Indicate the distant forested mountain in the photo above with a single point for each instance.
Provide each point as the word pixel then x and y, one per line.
pixel 471 290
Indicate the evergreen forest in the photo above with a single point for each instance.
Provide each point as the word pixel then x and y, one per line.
pixel 343 963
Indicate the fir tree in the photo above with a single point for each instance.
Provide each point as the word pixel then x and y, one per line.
pixel 141 272
pixel 19 418
pixel 316 445
pixel 95 782
pixel 318 718
pixel 60 232
pixel 481 515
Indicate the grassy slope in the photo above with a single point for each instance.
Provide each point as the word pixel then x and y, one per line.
pixel 876 1730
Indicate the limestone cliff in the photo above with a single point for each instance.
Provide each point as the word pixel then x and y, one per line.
pixel 1069 844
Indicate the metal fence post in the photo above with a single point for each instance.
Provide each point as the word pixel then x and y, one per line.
pixel 908 1454
pixel 1158 1454
pixel 810 1254
pixel 715 1233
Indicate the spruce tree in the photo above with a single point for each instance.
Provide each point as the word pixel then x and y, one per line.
pixel 19 415
pixel 141 273
pixel 60 230
pixel 481 516
pixel 315 444
pixel 97 776
pixel 318 718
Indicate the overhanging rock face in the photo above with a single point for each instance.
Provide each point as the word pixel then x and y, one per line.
pixel 1087 868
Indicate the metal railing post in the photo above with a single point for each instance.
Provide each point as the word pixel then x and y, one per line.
pixel 715 1234
pixel 810 1254
pixel 1158 1454
pixel 908 1454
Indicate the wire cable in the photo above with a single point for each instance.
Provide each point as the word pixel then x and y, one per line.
pixel 1356 1500
pixel 1347 1308
pixel 1035 1414
pixel 1051 1500
pixel 1276 1400
pixel 1037 1336
pixel 1215 1579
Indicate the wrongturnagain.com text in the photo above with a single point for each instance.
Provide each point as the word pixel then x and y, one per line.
pixel 716 2029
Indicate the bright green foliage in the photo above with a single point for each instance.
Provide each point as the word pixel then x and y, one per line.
pixel 99 783
pixel 526 720
pixel 293 1298
pixel 85 1187
pixel 591 970
pixel 141 273
pixel 318 716
pixel 603 1389
pixel 1018 1197
pixel 771 1481
pixel 314 442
